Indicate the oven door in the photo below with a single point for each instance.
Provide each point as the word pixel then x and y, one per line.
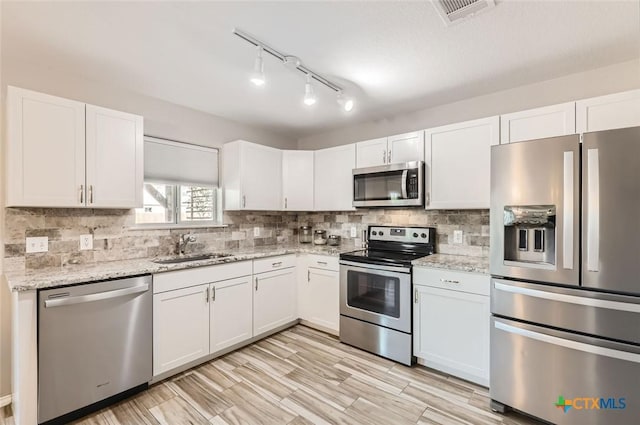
pixel 389 185
pixel 376 294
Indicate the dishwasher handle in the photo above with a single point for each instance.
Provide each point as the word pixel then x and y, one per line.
pixel 98 296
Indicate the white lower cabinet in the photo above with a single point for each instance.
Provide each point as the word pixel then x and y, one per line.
pixel 319 293
pixel 451 321
pixel 274 298
pixel 231 314
pixel 180 327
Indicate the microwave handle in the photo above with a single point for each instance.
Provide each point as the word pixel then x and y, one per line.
pixel 405 173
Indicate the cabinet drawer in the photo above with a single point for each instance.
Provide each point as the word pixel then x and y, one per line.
pixel 273 263
pixel 473 283
pixel 325 262
pixel 178 279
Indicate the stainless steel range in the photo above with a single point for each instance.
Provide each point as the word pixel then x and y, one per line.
pixel 375 290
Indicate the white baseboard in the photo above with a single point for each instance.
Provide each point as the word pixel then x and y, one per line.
pixel 5 400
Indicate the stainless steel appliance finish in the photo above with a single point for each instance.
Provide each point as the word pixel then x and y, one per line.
pixel 567 325
pixel 376 290
pixel 94 342
pixel 395 185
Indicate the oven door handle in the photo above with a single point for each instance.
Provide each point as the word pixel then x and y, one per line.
pixel 405 174
pixel 371 267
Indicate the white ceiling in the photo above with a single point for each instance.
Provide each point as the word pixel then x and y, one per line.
pixel 392 56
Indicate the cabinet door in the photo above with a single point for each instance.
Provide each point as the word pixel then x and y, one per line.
pixel 297 180
pixel 549 121
pixel 180 327
pixel 274 299
pixel 323 298
pixel 608 112
pixel 458 164
pixel 231 313
pixel 114 158
pixel 451 332
pixel 45 156
pixel 261 177
pixel 405 147
pixel 371 153
pixel 333 178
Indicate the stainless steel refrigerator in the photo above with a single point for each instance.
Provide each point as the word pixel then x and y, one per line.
pixel 565 266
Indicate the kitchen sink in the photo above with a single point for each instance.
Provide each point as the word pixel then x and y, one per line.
pixel 185 259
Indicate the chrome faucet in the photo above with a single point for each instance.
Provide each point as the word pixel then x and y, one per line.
pixel 184 241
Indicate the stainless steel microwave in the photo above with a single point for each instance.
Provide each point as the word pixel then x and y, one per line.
pixel 394 185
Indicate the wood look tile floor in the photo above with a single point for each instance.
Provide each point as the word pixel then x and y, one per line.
pixel 302 376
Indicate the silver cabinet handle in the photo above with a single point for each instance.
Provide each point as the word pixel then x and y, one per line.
pixel 256 283
pixel 426 198
pixel 278 264
pixel 308 275
pixel 99 296
pixel 384 157
pixel 206 294
pixel 322 263
pixel 213 293
pixel 285 203
pixel 455 282
pixel 415 296
pixel 389 157
pixel 567 213
pixel 593 211
pixel 91 194
pixel 82 194
pixel 244 201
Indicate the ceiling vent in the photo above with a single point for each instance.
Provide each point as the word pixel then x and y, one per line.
pixel 453 11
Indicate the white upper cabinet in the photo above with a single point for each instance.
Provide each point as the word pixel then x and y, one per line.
pixel 333 178
pixel 297 180
pixel 371 153
pixel 458 162
pixel 252 176
pixel 63 153
pixel 390 150
pixel 608 112
pixel 405 147
pixel 114 158
pixel 548 121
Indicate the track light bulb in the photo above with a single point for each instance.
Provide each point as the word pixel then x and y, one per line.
pixel 345 102
pixel 309 95
pixel 257 76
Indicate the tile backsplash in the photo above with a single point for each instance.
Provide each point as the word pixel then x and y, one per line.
pixel 115 237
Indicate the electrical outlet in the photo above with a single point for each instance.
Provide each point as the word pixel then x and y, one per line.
pixel 39 244
pixel 354 232
pixel 86 242
pixel 457 236
pixel 256 231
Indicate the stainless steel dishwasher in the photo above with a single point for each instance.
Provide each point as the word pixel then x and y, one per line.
pixel 94 345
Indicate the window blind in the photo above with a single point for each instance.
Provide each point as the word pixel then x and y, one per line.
pixel 172 162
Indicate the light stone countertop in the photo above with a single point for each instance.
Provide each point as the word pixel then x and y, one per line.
pixel 460 263
pixel 85 273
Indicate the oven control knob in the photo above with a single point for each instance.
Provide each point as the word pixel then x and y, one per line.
pixel 424 235
pixel 375 233
pixel 415 235
pixel 380 233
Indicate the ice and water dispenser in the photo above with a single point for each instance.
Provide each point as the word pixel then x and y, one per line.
pixel 530 234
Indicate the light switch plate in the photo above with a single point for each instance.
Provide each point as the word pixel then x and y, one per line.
pixel 86 242
pixel 256 231
pixel 38 244
pixel 354 232
pixel 457 236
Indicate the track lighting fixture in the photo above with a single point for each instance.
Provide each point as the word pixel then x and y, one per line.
pixel 309 95
pixel 257 76
pixel 344 102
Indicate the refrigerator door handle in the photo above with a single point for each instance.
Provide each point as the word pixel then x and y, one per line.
pixel 593 210
pixel 567 212
pixel 571 299
pixel 568 343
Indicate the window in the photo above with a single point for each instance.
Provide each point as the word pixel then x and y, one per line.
pixel 181 185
